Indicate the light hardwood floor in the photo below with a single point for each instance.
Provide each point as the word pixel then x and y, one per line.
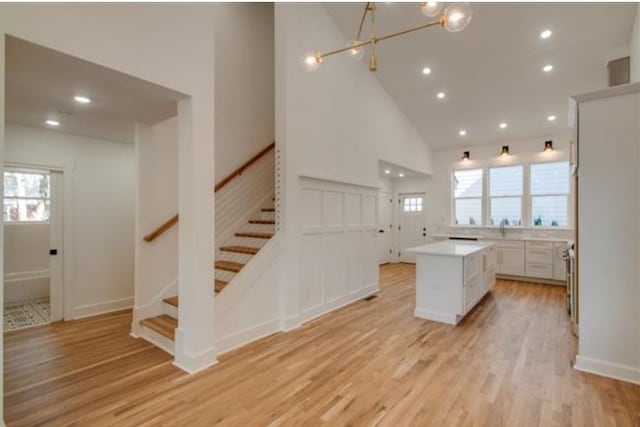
pixel 371 363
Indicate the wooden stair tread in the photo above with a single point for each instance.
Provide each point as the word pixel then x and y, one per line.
pixel 261 221
pixel 164 325
pixel 229 266
pixel 240 249
pixel 268 209
pixel 220 284
pixel 171 301
pixel 255 235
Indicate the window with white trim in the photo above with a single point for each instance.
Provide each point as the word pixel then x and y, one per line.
pixel 412 204
pixel 505 195
pixel 27 197
pixel 549 188
pixel 467 193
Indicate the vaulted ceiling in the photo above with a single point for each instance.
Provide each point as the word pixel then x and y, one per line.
pixel 492 71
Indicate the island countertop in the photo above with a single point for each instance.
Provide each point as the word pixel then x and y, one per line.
pixel 451 248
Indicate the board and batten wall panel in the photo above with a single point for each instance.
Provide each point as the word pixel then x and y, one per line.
pixel 338 262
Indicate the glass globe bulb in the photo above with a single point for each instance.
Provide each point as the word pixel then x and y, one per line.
pixel 456 17
pixel 311 61
pixel 356 52
pixel 431 8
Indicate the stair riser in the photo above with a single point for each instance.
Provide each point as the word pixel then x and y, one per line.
pixel 170 310
pixel 157 339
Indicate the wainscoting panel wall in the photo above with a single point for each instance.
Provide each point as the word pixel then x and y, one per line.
pixel 338 261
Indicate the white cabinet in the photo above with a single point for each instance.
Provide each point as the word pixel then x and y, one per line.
pixel 559 264
pixel 539 259
pixel 510 257
pixel 451 278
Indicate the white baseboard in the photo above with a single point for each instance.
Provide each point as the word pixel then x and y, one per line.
pixel 244 337
pixel 608 369
pixel 436 316
pixel 192 362
pixel 290 323
pixel 102 307
pixel 323 309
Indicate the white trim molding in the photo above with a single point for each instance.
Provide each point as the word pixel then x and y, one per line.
pixel 102 307
pixel 603 368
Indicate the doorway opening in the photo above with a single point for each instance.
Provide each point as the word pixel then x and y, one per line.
pixel 32 224
pixel 403 212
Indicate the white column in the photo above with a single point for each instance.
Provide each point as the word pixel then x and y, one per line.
pixel 2 142
pixel 285 29
pixel 195 337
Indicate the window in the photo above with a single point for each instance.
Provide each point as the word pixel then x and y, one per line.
pixel 550 194
pixel 412 204
pixel 505 195
pixel 467 192
pixel 27 197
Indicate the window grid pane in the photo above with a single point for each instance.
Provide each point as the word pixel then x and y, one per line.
pixel 468 211
pixel 550 178
pixel 467 183
pixel 507 210
pixel 27 197
pixel 505 181
pixel 549 211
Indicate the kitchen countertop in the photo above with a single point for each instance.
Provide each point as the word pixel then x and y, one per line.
pixel 450 248
pixel 499 238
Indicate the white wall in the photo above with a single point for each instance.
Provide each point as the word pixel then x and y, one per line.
pixel 136 39
pixel 340 117
pixel 332 127
pixel 244 121
pixel 26 261
pixel 635 48
pixel 482 156
pixel 609 236
pixel 156 262
pixel 103 200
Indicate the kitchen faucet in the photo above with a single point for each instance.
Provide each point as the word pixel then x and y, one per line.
pixel 502 227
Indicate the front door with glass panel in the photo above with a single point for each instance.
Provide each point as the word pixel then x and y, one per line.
pixel 413 231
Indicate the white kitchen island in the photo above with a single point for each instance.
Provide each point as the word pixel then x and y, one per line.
pixel 451 277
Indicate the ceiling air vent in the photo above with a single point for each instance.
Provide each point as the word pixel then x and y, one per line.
pixel 618 71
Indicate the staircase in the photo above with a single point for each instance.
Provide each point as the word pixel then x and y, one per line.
pixel 238 248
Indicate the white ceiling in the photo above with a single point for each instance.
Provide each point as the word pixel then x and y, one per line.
pixel 492 71
pixel 41 82
pixel 395 170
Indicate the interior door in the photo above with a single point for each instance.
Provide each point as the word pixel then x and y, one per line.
pixel 413 224
pixel 385 227
pixel 55 248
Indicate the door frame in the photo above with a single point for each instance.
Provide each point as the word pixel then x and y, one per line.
pixel 391 257
pixel 398 215
pixel 66 206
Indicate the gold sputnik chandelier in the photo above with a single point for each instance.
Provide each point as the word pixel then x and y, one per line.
pixel 453 18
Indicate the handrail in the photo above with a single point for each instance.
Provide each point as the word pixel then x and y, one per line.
pixel 174 219
pixel 161 230
pixel 245 165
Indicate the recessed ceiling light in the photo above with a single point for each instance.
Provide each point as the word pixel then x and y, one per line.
pixel 551 118
pixel 441 95
pixel 387 171
pixel 545 34
pixel 400 174
pixel 547 68
pixel 426 71
pixel 82 99
pixel 503 125
pixel 462 132
pixel 52 123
